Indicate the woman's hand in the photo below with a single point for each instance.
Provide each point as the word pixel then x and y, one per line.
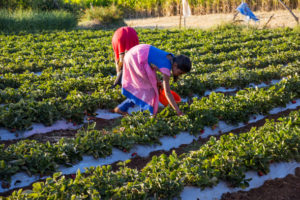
pixel 119 63
pixel 179 113
pixel 169 96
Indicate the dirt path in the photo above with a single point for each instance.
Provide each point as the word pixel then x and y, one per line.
pixel 287 188
pixel 282 18
pixel 55 136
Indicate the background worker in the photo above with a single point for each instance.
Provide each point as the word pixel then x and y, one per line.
pixel 123 39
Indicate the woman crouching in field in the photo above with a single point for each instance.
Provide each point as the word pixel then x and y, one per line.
pixel 140 83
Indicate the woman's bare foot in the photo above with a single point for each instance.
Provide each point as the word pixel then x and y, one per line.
pixel 117 110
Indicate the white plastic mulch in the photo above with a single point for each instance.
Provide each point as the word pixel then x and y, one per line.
pixel 58 125
pixel 38 73
pixel 144 150
pixel 277 170
pixel 105 114
pixel 101 113
pixel 261 85
pixel 22 179
pixel 37 129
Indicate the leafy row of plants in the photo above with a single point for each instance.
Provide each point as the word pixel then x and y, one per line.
pixel 55 87
pixel 141 128
pixel 74 107
pixel 10 80
pixel 236 77
pixel 36 52
pixel 243 58
pixel 16 80
pixel 59 54
pixel 58 85
pixel 245 54
pixel 51 97
pixel 227 159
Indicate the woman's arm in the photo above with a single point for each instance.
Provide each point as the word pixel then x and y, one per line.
pixel 170 98
pixel 119 64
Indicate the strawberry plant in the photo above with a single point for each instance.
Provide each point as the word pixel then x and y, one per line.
pixel 142 128
pixel 227 159
pixel 77 73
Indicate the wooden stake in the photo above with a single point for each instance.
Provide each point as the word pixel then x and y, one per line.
pixel 180 14
pixel 56 4
pixel 235 15
pixel 268 21
pixel 296 18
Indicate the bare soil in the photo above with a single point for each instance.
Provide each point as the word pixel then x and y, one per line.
pixel 287 188
pixel 281 18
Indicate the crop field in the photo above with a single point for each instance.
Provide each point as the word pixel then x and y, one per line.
pixel 57 131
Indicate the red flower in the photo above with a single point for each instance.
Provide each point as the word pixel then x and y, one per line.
pixel 260 173
pixel 13 130
pixel 174 136
pixel 5 185
pixel 73 176
pixel 90 118
pixel 202 131
pixel 133 154
pixel 293 102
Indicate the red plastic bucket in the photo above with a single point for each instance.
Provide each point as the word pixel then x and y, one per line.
pixel 163 99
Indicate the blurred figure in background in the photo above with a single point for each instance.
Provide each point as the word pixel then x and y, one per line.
pixel 123 39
